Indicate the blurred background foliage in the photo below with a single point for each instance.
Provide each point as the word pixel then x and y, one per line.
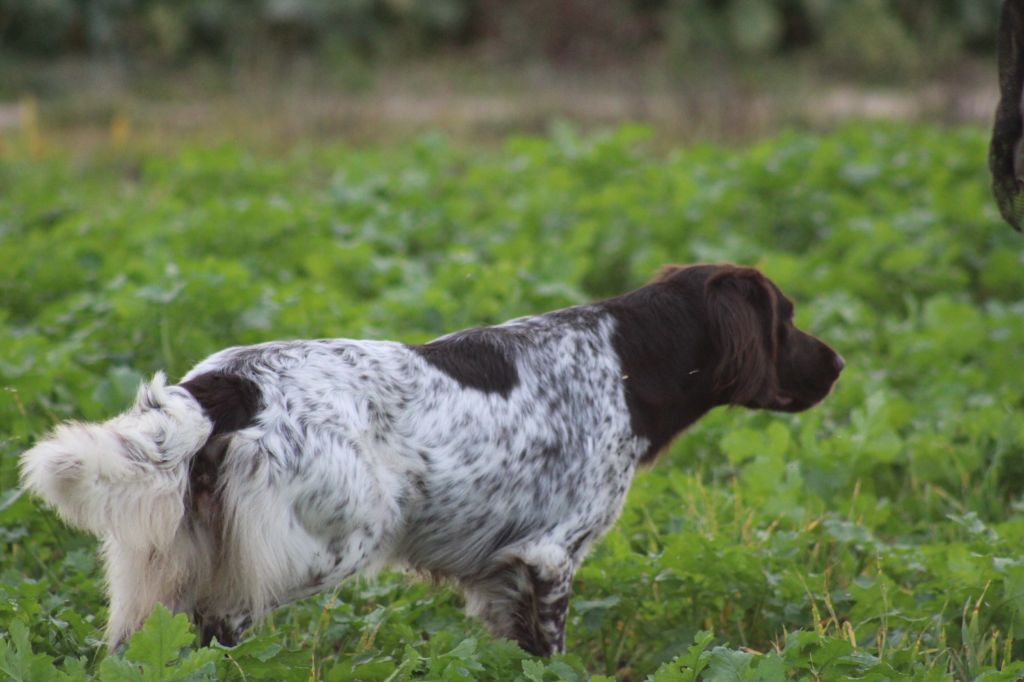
pixel 873 36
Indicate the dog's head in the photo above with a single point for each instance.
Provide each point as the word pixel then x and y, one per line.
pixel 762 360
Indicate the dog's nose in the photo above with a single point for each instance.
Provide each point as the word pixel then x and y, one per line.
pixel 839 362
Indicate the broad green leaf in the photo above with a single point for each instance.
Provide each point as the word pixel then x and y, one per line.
pixel 159 641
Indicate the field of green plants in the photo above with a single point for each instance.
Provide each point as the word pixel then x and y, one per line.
pixel 879 536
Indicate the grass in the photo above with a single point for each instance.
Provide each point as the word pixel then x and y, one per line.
pixel 875 537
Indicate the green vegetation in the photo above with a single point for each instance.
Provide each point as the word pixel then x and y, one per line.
pixel 878 536
pixel 875 36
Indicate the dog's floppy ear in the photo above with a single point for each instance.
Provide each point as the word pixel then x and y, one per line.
pixel 742 314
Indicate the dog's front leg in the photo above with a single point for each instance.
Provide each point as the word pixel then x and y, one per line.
pixel 552 608
pixel 525 597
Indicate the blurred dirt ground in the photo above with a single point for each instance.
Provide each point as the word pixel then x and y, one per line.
pixel 83 106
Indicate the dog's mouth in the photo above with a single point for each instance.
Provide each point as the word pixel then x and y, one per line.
pixel 788 402
pixel 809 389
pixel 798 400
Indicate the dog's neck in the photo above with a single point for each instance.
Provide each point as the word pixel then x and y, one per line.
pixel 667 361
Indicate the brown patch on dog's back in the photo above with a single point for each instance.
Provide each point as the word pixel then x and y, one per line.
pixel 475 359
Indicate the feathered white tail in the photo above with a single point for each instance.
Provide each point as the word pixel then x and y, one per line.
pixel 126 477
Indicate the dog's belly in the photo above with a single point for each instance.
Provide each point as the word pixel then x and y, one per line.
pixel 466 514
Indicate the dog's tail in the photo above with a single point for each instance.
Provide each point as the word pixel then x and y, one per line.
pixel 128 476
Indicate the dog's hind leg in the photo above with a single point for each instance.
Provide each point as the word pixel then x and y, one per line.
pixel 138 579
pixel 525 597
pixel 227 629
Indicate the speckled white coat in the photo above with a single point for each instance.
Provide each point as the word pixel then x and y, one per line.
pixel 365 455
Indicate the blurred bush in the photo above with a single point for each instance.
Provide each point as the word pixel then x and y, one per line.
pixel 871 34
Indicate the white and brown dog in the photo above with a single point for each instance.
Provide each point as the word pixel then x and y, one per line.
pixel 493 456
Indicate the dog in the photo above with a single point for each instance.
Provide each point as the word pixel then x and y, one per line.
pixel 494 457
